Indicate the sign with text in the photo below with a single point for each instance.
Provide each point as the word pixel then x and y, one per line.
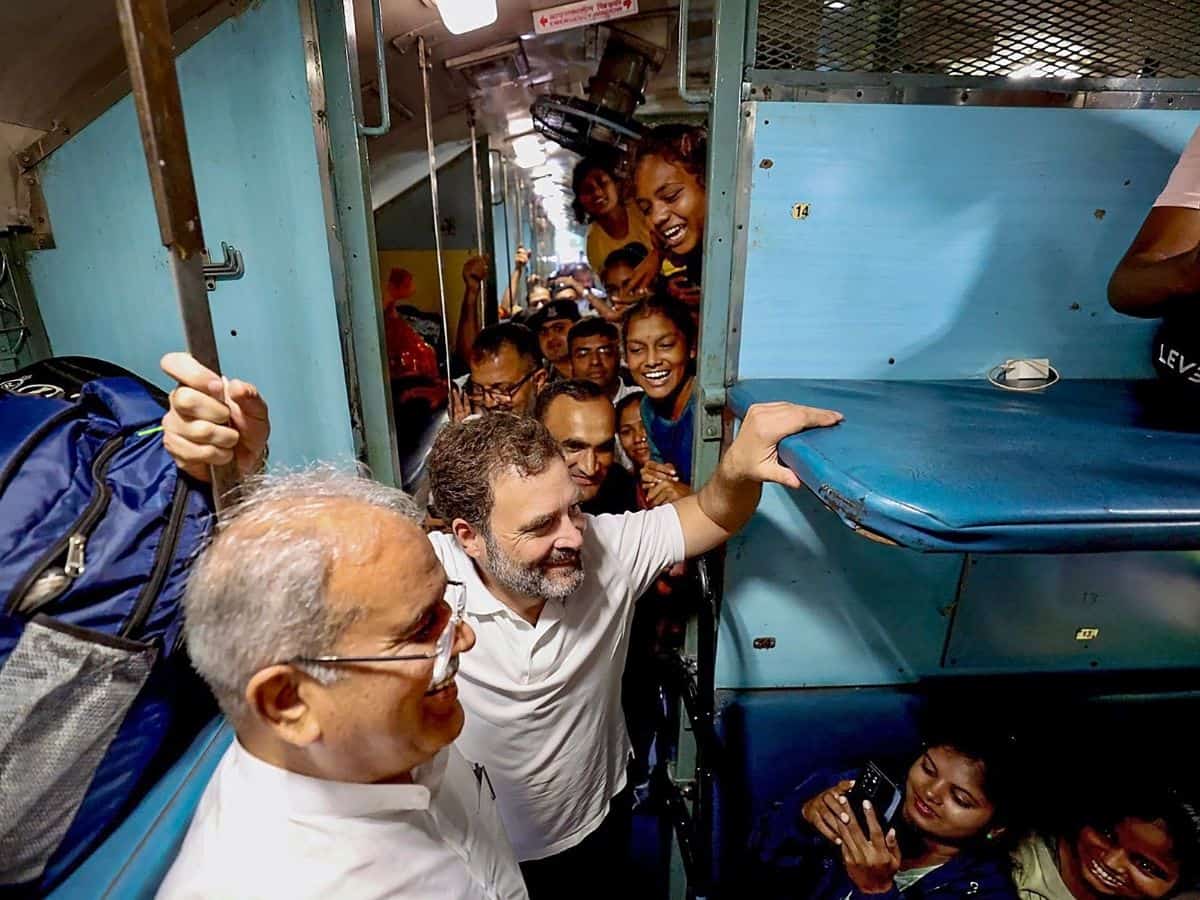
pixel 585 12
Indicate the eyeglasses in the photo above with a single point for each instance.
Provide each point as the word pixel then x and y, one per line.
pixel 604 351
pixel 455 599
pixel 500 392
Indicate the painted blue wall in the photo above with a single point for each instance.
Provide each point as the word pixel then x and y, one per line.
pixel 106 289
pixel 406 222
pixel 939 242
pixel 505 235
pixel 946 239
pixel 841 609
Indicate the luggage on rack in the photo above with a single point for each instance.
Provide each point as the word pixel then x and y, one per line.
pixel 97 530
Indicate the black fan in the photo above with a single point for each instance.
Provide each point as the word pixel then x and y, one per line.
pixel 583 127
pixel 604 121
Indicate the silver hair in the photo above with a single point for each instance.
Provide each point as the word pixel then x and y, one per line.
pixel 257 596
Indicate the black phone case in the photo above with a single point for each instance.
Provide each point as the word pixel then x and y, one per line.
pixel 872 784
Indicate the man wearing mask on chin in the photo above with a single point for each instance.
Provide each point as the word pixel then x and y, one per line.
pixel 550 593
pixel 330 635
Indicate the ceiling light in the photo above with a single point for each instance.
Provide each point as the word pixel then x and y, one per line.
pixel 461 16
pixel 520 125
pixel 530 151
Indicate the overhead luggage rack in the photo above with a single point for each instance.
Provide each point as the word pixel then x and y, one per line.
pixel 960 466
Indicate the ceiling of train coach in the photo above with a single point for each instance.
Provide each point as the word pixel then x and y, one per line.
pixel 559 63
pixel 56 53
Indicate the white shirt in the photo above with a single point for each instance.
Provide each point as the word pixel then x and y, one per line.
pixel 543 701
pixel 1183 187
pixel 264 832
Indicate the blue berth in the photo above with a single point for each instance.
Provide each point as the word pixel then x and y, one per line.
pixel 134 859
pixel 961 466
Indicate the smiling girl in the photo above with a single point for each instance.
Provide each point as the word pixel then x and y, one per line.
pixel 945 841
pixel 613 221
pixel 1143 844
pixel 660 351
pixel 668 187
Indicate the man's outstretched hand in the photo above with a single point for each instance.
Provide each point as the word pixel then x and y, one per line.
pixel 754 454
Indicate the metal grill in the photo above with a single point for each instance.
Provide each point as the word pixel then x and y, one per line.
pixel 1067 39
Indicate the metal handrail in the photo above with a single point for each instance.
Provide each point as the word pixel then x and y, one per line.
pixel 688 96
pixel 385 109
pixel 684 826
pixel 693 683
pixel 680 679
pixel 425 65
pixel 479 248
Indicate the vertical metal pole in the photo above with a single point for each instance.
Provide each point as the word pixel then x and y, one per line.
pixel 722 289
pixel 479 208
pixel 149 52
pixel 385 108
pixel 686 95
pixel 478 185
pixel 423 62
pixel 518 201
pixel 510 199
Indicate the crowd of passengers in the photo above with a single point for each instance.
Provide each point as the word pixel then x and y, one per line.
pixel 428 694
pixel 559 501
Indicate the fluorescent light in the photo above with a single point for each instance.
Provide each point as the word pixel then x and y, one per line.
pixel 1043 70
pixel 461 16
pixel 530 151
pixel 520 125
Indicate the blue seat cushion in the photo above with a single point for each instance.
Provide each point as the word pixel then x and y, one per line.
pixel 773 740
pixel 962 466
pixel 134 859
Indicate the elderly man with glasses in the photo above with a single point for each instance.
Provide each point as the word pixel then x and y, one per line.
pixel 329 633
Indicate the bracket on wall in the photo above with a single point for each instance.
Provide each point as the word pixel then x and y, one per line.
pixel 712 407
pixel 230 268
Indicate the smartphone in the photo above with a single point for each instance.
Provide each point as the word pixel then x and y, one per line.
pixel 872 784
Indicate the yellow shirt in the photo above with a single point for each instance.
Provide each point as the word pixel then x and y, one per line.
pixel 600 243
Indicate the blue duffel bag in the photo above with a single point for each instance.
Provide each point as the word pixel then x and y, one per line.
pixel 97 530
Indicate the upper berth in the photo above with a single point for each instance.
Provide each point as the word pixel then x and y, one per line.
pixel 961 466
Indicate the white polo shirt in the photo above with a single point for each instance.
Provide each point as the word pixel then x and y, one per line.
pixel 263 832
pixel 544 702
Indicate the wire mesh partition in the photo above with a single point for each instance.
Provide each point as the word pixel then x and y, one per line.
pixel 1094 40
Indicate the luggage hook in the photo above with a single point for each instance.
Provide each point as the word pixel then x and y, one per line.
pixel 230 268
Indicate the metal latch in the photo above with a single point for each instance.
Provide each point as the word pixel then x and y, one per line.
pixel 230 268
pixel 712 406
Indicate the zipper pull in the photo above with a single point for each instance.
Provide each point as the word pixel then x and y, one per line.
pixel 75 559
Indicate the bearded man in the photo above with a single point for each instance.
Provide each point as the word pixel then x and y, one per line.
pixel 550 592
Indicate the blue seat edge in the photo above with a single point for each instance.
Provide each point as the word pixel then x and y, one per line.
pixel 134 859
